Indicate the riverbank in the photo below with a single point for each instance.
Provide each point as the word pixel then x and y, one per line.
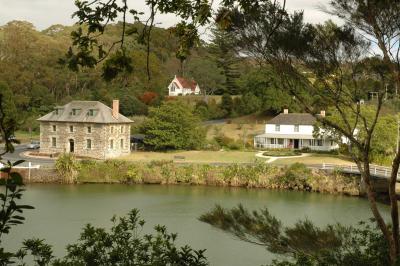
pixel 294 177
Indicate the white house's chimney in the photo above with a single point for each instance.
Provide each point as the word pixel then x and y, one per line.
pixel 285 111
pixel 322 113
pixel 115 109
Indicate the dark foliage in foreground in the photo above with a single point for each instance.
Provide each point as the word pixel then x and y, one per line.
pixel 303 242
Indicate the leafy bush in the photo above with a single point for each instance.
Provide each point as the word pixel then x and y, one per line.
pixel 125 245
pixel 67 167
pixel 281 152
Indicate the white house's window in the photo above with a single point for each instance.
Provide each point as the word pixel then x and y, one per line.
pixel 89 129
pixel 277 128
pixel 296 128
pixel 89 144
pixel 172 88
pixel 272 141
pixel 280 141
pixel 319 142
pixel 71 129
pixel 54 142
pixel 111 144
pixel 54 127
pixel 122 144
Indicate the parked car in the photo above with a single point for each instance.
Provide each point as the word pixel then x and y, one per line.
pixel 34 145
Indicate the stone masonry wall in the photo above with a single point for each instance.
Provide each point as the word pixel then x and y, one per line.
pixel 100 136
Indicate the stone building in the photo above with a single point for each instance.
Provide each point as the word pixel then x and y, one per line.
pixel 86 128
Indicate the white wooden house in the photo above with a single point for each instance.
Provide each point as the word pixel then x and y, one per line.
pixel 181 86
pixel 294 131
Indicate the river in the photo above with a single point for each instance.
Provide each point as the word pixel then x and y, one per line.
pixel 62 210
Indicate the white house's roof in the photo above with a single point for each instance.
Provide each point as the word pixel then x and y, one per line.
pixel 293 119
pixel 101 113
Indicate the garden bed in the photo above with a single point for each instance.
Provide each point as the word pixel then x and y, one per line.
pixel 282 153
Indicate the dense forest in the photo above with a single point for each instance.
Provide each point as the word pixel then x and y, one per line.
pixel 32 72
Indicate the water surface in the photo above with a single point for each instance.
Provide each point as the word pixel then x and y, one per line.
pixel 62 210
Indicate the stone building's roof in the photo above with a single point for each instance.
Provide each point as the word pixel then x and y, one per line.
pixel 293 119
pixel 85 112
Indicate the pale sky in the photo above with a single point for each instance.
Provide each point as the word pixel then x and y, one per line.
pixel 44 13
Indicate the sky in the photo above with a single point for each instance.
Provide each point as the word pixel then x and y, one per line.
pixel 44 13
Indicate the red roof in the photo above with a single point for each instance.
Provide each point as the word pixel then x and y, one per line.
pixel 187 84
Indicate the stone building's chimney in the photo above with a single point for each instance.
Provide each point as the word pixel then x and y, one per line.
pixel 322 113
pixel 115 109
pixel 285 111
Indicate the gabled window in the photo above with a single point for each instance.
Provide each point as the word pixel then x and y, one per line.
pixel 277 128
pixel 296 128
pixel 90 112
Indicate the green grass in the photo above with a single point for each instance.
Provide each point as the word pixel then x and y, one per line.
pixel 194 156
pixel 25 137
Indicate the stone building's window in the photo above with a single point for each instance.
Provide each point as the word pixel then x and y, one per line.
pixel 54 127
pixel 89 129
pixel 111 144
pixel 91 112
pixel 71 129
pixel 122 144
pixel 54 142
pixel 89 144
pixel 112 130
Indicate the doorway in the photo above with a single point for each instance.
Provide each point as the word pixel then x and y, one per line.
pixel 71 145
pixel 296 143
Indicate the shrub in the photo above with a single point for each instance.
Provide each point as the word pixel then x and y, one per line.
pixel 67 167
pixel 281 152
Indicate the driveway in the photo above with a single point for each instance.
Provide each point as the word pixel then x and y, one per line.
pixel 18 155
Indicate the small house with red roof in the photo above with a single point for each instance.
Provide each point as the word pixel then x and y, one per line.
pixel 181 86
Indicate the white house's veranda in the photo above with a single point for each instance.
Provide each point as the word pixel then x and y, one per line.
pixel 293 131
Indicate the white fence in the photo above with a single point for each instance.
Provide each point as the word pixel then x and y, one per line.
pixel 375 170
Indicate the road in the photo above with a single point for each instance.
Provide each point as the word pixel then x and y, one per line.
pixel 18 155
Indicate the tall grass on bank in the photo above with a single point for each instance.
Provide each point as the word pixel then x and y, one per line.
pixel 259 175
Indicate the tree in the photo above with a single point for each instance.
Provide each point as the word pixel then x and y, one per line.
pixel 326 65
pixel 95 16
pixel 226 104
pixel 173 126
pixel 222 49
pixel 304 243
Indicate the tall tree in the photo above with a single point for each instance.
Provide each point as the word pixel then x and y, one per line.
pixel 222 49
pixel 326 65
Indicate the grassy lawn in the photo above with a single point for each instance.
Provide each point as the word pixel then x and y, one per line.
pixel 25 137
pixel 194 156
pixel 314 159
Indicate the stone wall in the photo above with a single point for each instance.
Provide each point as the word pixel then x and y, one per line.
pixel 41 175
pixel 100 136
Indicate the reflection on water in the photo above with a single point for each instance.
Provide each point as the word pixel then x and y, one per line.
pixel 62 210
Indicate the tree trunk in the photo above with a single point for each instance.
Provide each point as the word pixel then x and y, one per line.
pixel 375 211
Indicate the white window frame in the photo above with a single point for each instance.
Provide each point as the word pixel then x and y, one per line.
pixel 277 128
pixel 296 128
